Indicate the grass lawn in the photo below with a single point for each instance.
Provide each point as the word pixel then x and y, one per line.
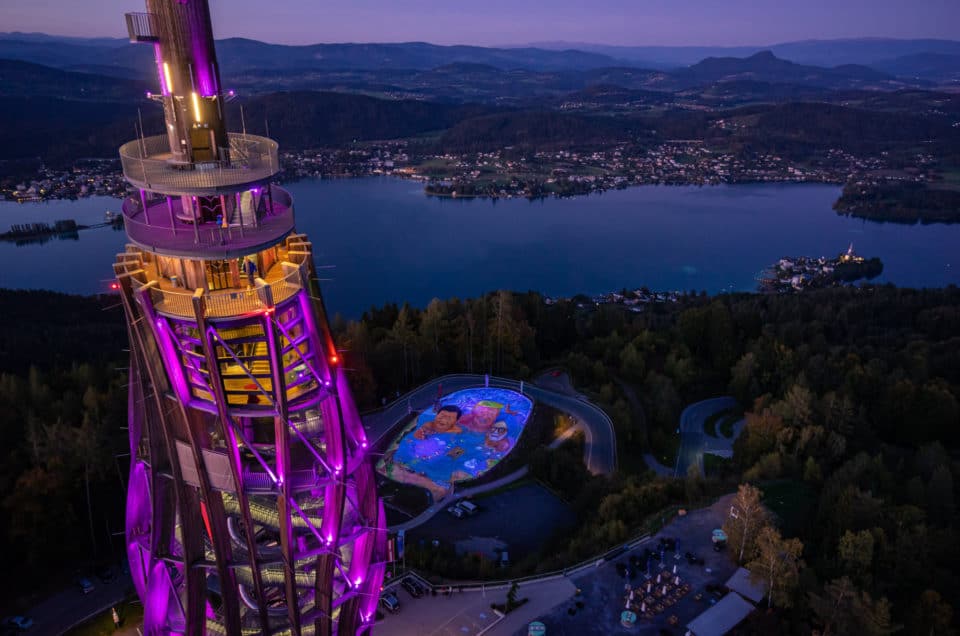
pixel 793 501
pixel 710 424
pixel 726 424
pixel 131 615
pixel 725 418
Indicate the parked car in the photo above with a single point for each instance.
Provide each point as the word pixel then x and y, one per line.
pixel 85 585
pixel 19 623
pixel 457 512
pixel 468 507
pixel 412 587
pixel 390 602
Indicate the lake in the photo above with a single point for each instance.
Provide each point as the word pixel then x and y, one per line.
pixel 386 241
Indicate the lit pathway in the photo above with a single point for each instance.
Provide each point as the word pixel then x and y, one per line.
pixel 694 441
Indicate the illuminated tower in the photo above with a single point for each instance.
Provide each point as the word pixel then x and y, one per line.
pixel 251 506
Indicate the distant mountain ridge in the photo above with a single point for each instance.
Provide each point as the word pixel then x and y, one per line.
pixel 240 54
pixel 767 67
pixel 866 51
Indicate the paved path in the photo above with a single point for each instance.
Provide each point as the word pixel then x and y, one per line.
pixel 601 442
pixel 694 442
pixel 60 612
pixel 603 588
pixel 469 614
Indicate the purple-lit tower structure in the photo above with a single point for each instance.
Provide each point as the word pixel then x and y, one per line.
pixel 252 506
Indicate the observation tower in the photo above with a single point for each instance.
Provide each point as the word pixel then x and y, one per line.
pixel 251 506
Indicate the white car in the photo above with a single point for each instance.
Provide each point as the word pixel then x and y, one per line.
pixel 456 511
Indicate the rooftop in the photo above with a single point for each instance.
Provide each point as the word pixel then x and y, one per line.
pixel 741 584
pixel 722 617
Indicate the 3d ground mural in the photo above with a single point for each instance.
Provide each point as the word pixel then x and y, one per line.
pixel 463 436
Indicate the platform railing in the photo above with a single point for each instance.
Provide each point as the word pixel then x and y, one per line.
pixel 142 27
pixel 148 163
pixel 157 229
pixel 226 303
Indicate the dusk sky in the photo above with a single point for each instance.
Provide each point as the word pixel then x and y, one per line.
pixel 511 22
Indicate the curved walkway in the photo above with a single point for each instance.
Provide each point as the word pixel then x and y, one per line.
pixel 694 441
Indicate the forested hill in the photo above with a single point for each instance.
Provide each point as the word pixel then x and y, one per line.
pixel 24 79
pixel 309 119
pixel 533 130
pixel 853 417
pixel 40 126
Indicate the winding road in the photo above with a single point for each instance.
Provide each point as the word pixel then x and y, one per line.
pixel 694 441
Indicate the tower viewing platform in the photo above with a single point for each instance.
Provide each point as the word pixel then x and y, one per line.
pixel 251 504
pixel 149 164
pixel 255 219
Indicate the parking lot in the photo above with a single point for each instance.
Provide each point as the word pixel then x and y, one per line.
pixel 519 520
pixel 460 614
pixel 596 609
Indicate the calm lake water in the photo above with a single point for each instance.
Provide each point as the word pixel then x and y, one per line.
pixel 386 241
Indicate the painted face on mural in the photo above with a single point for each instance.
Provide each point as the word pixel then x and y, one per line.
pixel 445 421
pixel 497 438
pixel 498 432
pixel 482 417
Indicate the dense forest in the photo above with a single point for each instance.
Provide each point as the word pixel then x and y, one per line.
pixel 852 400
pixel 899 202
pixel 853 420
pixel 63 412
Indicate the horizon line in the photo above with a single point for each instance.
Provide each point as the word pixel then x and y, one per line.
pixel 542 44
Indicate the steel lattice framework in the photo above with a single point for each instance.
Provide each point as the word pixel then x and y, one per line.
pixel 251 506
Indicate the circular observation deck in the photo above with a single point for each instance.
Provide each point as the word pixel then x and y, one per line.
pixel 148 164
pixel 162 228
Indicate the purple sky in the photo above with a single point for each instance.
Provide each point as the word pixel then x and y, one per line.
pixel 509 22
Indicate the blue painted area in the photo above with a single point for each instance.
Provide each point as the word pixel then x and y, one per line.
pixel 466 434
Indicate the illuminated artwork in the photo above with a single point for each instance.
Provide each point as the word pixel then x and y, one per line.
pixel 463 436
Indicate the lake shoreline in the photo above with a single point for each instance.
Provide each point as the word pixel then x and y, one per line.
pixel 390 243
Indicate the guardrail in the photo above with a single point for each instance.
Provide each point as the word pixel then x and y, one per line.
pixel 474 586
pixel 401 404
pixel 142 27
pixel 148 163
pixel 228 302
pixel 154 229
